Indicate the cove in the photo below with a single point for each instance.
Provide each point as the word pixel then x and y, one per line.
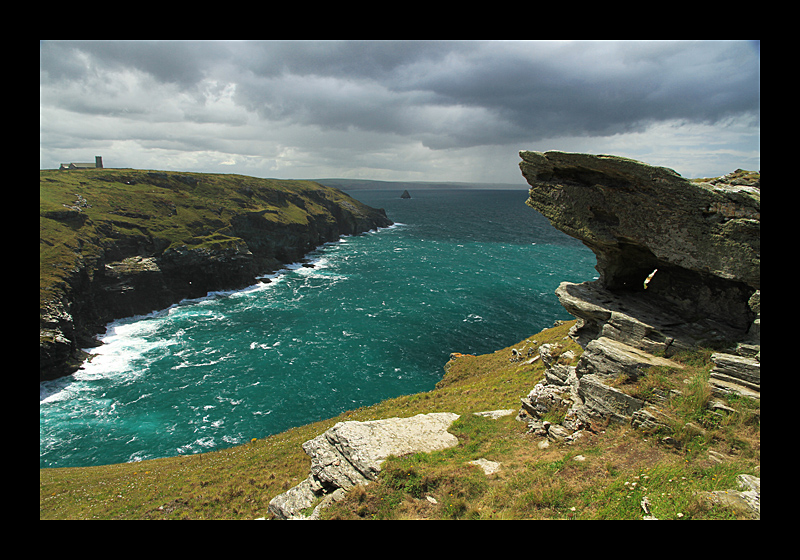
pixel 364 319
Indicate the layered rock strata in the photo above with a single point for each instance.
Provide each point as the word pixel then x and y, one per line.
pixel 676 258
pixel 679 268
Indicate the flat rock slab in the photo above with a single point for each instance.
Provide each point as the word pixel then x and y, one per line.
pixel 495 414
pixel 352 452
pixel 365 445
pixel 610 358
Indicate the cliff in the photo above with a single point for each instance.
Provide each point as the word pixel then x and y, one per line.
pixel 684 254
pixel 679 264
pixel 116 243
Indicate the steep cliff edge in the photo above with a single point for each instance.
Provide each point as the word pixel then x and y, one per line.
pixel 115 243
pixel 679 264
pixel 684 254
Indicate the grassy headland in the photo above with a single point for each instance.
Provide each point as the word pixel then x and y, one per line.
pixel 83 213
pixel 121 242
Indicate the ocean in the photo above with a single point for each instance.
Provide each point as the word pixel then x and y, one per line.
pixel 363 319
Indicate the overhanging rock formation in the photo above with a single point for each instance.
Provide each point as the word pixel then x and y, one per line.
pixel 679 267
pixel 702 239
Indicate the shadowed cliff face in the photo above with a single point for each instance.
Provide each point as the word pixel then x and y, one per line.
pixel 116 243
pixel 701 238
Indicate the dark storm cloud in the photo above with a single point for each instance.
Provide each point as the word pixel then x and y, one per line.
pixel 180 62
pixel 447 94
pixel 501 92
pixel 597 89
pixel 356 108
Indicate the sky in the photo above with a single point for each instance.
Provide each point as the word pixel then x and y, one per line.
pixel 398 110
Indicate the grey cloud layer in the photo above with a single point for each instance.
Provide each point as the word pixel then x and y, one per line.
pixel 420 110
pixel 447 94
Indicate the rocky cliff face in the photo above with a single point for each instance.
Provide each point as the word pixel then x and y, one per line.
pixel 680 259
pixel 679 265
pixel 117 243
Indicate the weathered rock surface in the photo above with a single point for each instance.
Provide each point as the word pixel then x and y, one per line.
pixel 701 239
pixel 639 320
pixel 351 453
pixel 637 217
pixel 679 267
pixel 746 501
pixel 736 374
pixel 607 402
pixel 583 392
pixel 605 357
pixel 488 467
pixel 495 414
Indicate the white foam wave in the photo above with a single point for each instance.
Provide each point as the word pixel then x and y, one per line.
pixel 124 338
pixel 473 318
pixel 203 442
pixel 264 345
pixel 53 391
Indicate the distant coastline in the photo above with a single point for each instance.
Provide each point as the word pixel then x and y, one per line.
pixel 368 184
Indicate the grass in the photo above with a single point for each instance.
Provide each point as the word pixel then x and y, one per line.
pixel 738 174
pixel 602 476
pixel 83 214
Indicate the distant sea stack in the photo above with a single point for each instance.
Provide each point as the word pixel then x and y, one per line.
pixel 405 194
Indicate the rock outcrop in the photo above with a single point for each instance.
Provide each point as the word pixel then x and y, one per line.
pixel 679 268
pixel 700 241
pixel 746 501
pixel 582 392
pixel 350 453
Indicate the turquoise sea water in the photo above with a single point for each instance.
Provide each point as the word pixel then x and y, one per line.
pixel 377 316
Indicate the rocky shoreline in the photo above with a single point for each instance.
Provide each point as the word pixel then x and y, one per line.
pixel 122 267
